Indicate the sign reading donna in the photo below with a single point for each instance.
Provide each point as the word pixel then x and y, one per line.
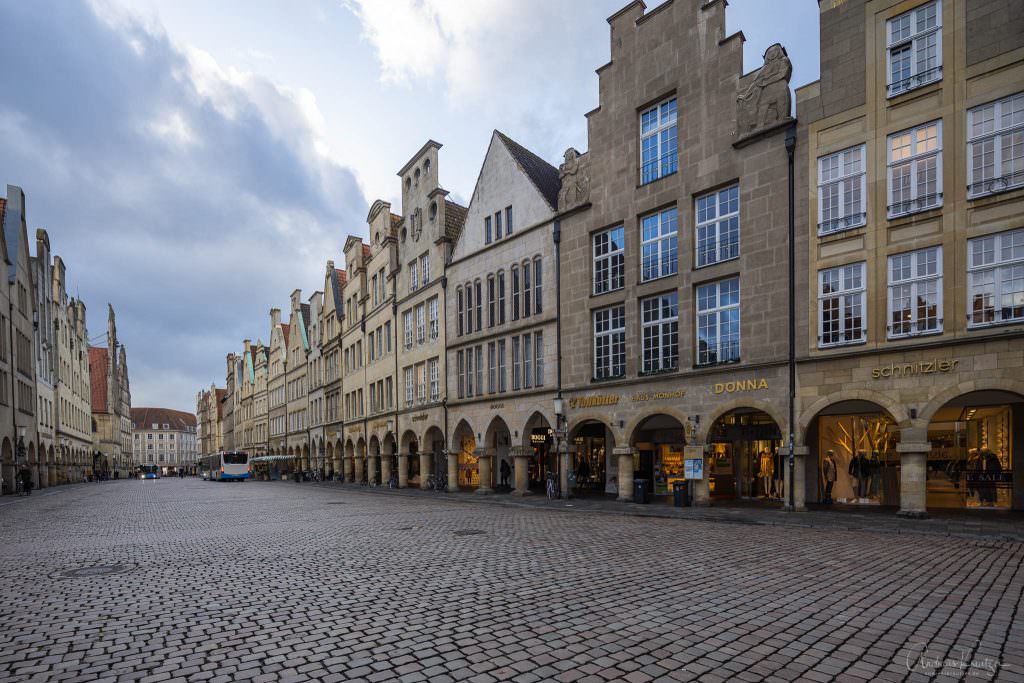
pixel 922 367
pixel 740 385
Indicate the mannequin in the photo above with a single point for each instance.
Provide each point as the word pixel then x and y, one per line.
pixel 860 470
pixel 767 468
pixel 828 474
pixel 874 474
pixel 779 481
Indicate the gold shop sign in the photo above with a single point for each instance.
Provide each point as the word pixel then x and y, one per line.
pixel 594 401
pixel 353 429
pixel 379 424
pixel 419 418
pixel 923 367
pixel 656 395
pixel 740 385
pixel 496 406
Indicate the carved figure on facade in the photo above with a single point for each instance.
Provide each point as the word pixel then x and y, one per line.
pixel 766 100
pixel 574 173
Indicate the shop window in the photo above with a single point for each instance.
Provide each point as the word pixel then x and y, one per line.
pixel 995 279
pixel 995 146
pixel 718 226
pixel 858 462
pixel 842 191
pixel 915 169
pixel 914 44
pixel 915 293
pixel 841 301
pixel 658 141
pixel 718 322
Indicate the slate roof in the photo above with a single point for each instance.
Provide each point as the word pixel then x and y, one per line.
pixel 543 175
pixel 98 372
pixel 304 310
pixel 145 418
pixel 454 219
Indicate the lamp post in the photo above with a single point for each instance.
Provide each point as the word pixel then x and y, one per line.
pixel 563 454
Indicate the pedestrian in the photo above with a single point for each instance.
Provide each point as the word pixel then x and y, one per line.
pixel 506 472
pixel 26 481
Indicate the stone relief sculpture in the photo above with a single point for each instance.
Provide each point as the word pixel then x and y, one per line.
pixel 573 173
pixel 766 100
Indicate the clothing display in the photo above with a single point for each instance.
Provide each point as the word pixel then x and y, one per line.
pixel 863 450
pixel 828 474
pixel 766 470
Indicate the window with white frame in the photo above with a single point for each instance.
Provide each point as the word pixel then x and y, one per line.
pixel 515 364
pixel 610 342
pixel 407 318
pixel 414 279
pixel 469 308
pixel 425 269
pixel 718 226
pixel 915 293
pixel 842 296
pixel 487 229
pixel 658 141
pixel 421 383
pixel 479 305
pixel 501 297
pixel 435 380
pixel 460 368
pixel 469 371
pixel 515 293
pixel 995 279
pixel 460 310
pixel 410 385
pixel 421 324
pixel 502 386
pixel 480 370
pixel 660 319
pixel 527 361
pixel 659 244
pixel 538 358
pixel 718 322
pixel 842 190
pixel 490 301
pixel 995 146
pixel 527 290
pixel 609 260
pixel 492 368
pixel 914 45
pixel 915 169
pixel 538 277
pixel 432 304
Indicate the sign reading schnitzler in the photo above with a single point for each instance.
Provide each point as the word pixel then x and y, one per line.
pixel 923 367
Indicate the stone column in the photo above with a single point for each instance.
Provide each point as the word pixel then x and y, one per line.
pixel 913 473
pixel 453 472
pixel 483 463
pixel 371 464
pixel 347 464
pixel 385 469
pixel 702 486
pixel 800 456
pixel 565 456
pixel 403 470
pixel 624 454
pixel 521 458
pixel 426 469
pixel 358 468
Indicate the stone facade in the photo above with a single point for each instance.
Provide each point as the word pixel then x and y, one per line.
pixel 45 349
pixel 298 346
pixel 111 406
pixel 210 412
pixel 230 397
pixel 74 399
pixel 941 372
pixel 642 399
pixel 501 320
pixel 315 381
pixel 277 379
pixel 165 438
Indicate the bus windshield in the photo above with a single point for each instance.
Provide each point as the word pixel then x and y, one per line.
pixel 235 458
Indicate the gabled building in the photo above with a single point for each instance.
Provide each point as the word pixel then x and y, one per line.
pixel 73 392
pixel 111 406
pixel 331 318
pixel 315 385
pixel 297 399
pixel 20 448
pixel 45 349
pixel 277 378
pixel 260 400
pixel 165 438
pixel 501 324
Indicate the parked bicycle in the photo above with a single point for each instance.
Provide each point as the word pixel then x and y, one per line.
pixel 552 486
pixel 437 482
pixel 393 481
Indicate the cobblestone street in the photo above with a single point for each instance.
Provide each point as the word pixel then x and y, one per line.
pixel 277 581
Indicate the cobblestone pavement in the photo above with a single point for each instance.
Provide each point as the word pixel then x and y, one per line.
pixel 277 581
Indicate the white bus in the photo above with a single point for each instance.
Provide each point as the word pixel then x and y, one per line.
pixel 232 466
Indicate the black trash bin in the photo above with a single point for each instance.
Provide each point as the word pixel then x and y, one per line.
pixel 640 491
pixel 681 494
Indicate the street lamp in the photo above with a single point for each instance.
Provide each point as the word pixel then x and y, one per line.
pixel 563 455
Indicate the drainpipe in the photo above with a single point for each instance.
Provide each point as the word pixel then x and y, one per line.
pixel 790 147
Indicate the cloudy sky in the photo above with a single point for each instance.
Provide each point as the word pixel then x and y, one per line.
pixel 196 162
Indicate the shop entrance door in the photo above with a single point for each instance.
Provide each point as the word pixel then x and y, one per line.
pixel 745 460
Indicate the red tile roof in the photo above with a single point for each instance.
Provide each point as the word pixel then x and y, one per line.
pixel 3 209
pixel 285 328
pixel 220 402
pixel 366 250
pixel 98 372
pixel 342 276
pixel 145 418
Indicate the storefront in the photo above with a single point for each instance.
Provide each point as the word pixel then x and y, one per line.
pixel 543 460
pixel 855 451
pixel 469 473
pixel 973 442
pixel 594 443
pixel 743 456
pixel 658 443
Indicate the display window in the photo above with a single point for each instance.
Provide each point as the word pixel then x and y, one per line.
pixel 469 472
pixel 858 462
pixel 658 453
pixel 744 457
pixel 971 461
pixel 544 458
pixel 589 462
